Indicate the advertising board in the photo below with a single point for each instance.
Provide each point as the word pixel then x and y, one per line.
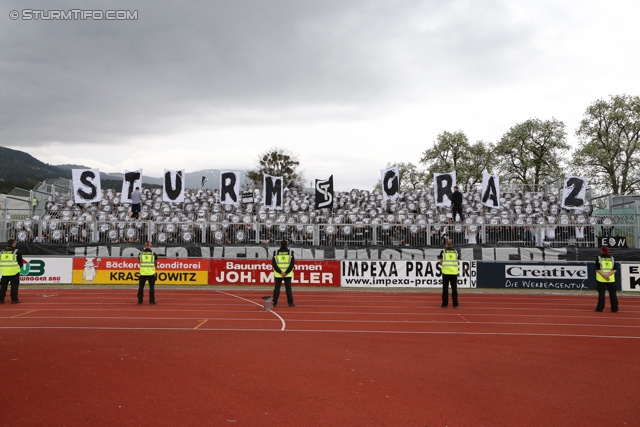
pixel 45 270
pixel 125 271
pixel 630 277
pixel 402 274
pixel 519 275
pixel 260 272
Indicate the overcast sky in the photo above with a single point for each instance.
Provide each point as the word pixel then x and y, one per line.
pixel 347 86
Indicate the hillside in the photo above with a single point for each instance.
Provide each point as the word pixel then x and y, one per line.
pixel 20 169
pixel 16 166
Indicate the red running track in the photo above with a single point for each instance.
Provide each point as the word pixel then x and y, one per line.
pixel 208 357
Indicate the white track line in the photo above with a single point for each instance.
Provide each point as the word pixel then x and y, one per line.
pixel 478 306
pixel 259 305
pixel 338 331
pixel 403 322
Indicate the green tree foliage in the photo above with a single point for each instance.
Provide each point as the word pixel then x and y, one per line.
pixel 25 184
pixel 481 157
pixel 531 153
pixel 609 148
pixel 453 152
pixel 411 178
pixel 277 162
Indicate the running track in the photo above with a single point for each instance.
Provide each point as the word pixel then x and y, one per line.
pixel 72 357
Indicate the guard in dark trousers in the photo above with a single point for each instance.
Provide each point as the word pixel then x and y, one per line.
pixel 283 262
pixel 10 264
pixel 148 262
pixel 448 260
pixel 606 277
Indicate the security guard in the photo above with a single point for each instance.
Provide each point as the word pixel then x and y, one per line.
pixel 283 262
pixel 606 277
pixel 10 264
pixel 148 262
pixel 448 260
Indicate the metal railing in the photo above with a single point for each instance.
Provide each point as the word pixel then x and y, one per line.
pixel 474 231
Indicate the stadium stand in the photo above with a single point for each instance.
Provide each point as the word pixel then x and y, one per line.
pixel 360 218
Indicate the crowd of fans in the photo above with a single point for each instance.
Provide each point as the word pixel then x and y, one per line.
pixel 359 218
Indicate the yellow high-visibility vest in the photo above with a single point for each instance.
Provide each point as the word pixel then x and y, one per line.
pixel 283 259
pixel 9 263
pixel 606 265
pixel 450 262
pixel 147 264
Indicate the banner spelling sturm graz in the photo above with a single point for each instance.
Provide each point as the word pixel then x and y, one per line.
pixel 443 184
pixel 229 188
pixel 490 190
pixel 131 181
pixel 86 185
pixel 324 193
pixel 574 192
pixel 390 183
pixel 273 188
pixel 173 186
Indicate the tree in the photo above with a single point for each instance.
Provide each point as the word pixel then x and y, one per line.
pixel 452 151
pixel 25 184
pixel 609 149
pixel 531 153
pixel 277 162
pixel 411 178
pixel 481 157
